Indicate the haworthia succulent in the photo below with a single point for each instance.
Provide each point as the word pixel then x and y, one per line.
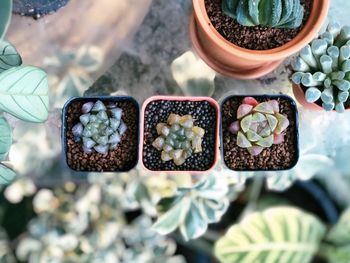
pixel 5 138
pixel 5 16
pixel 9 56
pixel 271 13
pixel 323 68
pixel 281 234
pixel 24 93
pixel 7 175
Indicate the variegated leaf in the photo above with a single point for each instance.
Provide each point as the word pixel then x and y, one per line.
pixel 281 234
pixel 5 16
pixel 9 56
pixel 24 93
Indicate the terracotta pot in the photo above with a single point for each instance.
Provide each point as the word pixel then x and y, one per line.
pixel 175 98
pixel 300 97
pixel 234 61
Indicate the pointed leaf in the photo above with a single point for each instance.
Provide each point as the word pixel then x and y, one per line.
pixel 246 122
pixel 269 236
pixel 253 136
pixel 243 110
pixel 24 93
pixel 9 56
pixel 272 121
pixel 7 175
pixel 266 142
pixel 283 123
pixel 242 141
pixel 264 107
pixel 194 224
pixel 5 137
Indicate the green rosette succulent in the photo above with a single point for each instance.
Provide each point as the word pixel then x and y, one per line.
pixel 259 125
pixel 323 67
pixel 100 127
pixel 178 138
pixel 270 13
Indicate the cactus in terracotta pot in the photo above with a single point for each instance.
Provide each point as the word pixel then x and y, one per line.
pixel 270 13
pixel 259 125
pixel 323 68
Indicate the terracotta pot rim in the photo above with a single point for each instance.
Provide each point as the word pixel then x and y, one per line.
pixel 180 98
pixel 310 30
pixel 299 95
pixel 222 69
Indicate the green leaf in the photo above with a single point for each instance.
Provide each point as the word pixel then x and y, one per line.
pixel 7 175
pixel 24 93
pixel 282 234
pixel 5 16
pixel 194 224
pixel 9 56
pixel 340 233
pixel 5 138
pixel 242 141
pixel 169 221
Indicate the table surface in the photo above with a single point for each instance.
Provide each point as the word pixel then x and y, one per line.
pixel 144 53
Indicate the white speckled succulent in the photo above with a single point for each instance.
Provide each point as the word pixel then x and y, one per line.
pixel 100 127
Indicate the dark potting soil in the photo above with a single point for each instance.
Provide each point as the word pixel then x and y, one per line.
pixel 123 158
pixel 319 102
pixel 205 117
pixel 277 157
pixel 256 37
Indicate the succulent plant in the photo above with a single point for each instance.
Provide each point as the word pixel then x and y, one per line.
pixel 178 138
pixel 323 67
pixel 271 13
pixel 100 127
pixel 259 125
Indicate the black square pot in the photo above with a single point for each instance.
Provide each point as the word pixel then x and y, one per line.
pixel 278 157
pixel 121 159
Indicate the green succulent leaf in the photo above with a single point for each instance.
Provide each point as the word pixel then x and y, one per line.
pixel 340 233
pixel 264 107
pixel 246 122
pixel 242 141
pixel 5 138
pixel 24 93
pixel 266 142
pixel 9 56
pixel 194 224
pixel 5 16
pixel 7 175
pixel 274 235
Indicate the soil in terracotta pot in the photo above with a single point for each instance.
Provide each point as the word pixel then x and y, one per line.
pixel 256 37
pixel 277 157
pixel 319 102
pixel 123 158
pixel 205 117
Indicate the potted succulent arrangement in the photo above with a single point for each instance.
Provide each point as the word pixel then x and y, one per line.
pixel 259 132
pixel 248 39
pixel 37 8
pixel 179 134
pixel 321 77
pixel 101 133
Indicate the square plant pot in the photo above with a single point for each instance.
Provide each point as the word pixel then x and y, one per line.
pixel 178 149
pixel 101 137
pixel 283 154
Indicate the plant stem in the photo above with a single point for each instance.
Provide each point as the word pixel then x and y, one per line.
pixel 254 194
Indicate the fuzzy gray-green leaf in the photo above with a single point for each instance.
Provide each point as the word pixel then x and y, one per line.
pixel 5 138
pixel 24 93
pixel 9 56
